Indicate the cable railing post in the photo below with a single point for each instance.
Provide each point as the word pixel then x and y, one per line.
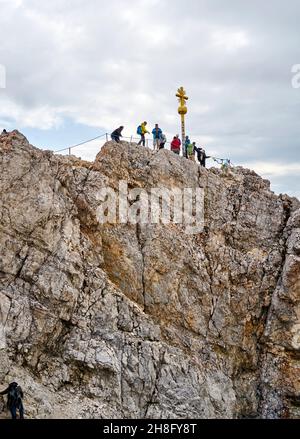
pixel 70 151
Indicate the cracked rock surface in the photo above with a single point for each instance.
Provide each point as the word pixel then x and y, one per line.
pixel 139 320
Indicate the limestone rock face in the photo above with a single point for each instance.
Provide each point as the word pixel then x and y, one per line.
pixel 144 320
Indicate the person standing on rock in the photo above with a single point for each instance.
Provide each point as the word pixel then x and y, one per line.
pixel 142 130
pixel 14 399
pixel 163 141
pixel 225 166
pixel 186 143
pixel 201 155
pixel 203 158
pixel 190 150
pixel 175 144
pixel 157 133
pixel 115 135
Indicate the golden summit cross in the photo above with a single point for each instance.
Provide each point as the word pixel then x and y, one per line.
pixel 181 94
pixel 182 110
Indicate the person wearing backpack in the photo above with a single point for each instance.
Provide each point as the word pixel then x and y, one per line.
pixel 176 144
pixel 186 143
pixel 201 155
pixel 142 130
pixel 14 399
pixel 157 133
pixel 190 150
pixel 163 141
pixel 115 135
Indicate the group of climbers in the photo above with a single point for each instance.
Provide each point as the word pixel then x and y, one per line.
pixel 159 138
pixel 190 150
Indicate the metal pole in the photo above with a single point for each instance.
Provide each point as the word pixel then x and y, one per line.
pixel 70 151
pixel 106 136
pixel 182 131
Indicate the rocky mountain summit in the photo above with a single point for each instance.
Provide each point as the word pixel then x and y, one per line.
pixel 144 320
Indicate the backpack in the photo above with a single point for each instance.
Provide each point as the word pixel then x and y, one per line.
pixel 190 149
pixel 139 130
pixel 14 396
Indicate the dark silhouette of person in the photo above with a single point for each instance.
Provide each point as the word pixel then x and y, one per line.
pixel 201 155
pixel 4 132
pixel 14 399
pixel 115 135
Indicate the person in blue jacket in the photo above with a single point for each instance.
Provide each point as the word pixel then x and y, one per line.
pixel 157 134
pixel 187 142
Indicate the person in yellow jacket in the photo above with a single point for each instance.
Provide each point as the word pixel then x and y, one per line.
pixel 142 130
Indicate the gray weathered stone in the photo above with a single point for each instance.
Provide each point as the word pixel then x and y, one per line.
pixel 125 321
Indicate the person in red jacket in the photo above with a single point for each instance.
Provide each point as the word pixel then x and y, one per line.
pixel 176 144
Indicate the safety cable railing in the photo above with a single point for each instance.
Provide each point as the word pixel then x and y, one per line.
pixel 132 139
pixel 107 135
pixel 82 143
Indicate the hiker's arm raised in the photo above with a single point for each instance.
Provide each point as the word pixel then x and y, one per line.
pixel 4 391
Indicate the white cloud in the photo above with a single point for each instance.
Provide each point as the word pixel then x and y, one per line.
pixel 269 169
pixel 12 3
pixel 229 40
pixel 41 117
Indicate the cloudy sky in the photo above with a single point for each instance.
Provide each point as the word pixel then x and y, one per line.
pixel 79 68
